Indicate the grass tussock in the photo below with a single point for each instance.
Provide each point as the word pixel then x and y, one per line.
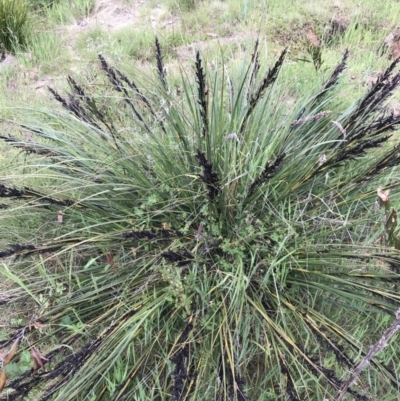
pixel 15 24
pixel 221 248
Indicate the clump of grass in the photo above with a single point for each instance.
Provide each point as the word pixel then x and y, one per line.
pixel 183 5
pixel 43 5
pixel 222 247
pixel 15 24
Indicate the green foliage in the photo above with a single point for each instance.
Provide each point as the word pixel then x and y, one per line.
pixel 42 47
pixel 206 243
pixel 14 24
pixel 315 53
pixel 83 8
pixel 67 12
pixel 42 5
pixel 184 5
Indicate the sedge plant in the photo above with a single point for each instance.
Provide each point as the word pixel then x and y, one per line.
pixel 221 246
pixel 15 24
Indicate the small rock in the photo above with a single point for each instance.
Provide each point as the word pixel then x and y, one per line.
pixel 8 61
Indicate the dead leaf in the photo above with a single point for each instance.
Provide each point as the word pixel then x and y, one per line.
pixel 341 129
pixel 38 359
pixel 37 325
pixel 199 230
pixel 3 379
pixel 35 362
pixel 232 136
pixel 12 352
pixel 110 260
pixel 384 196
pixel 166 226
pixel 3 354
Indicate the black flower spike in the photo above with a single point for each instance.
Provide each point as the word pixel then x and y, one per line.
pixel 92 108
pixel 240 384
pixel 268 172
pixel 73 106
pixel 76 108
pixel 324 340
pixel 266 82
pixel 333 79
pixel 58 97
pixel 140 95
pixel 136 90
pixel 137 235
pixel 160 65
pixel 202 93
pixel 80 93
pixel 329 84
pixel 110 73
pixel 254 65
pixel 329 374
pixel 32 130
pixel 180 372
pixel 235 382
pixel 15 249
pixel 378 93
pixel 62 371
pixel 27 193
pixel 118 86
pixel 150 235
pixel 25 250
pixel 27 147
pixel 7 192
pixel 390 159
pixel 380 83
pixel 78 89
pixel 360 149
pixel 209 177
pixel 290 385
pixel 382 124
pixel 182 259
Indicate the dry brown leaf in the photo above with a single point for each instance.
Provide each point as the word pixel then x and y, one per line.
pixel 3 379
pixel 3 354
pixel 41 312
pixel 37 325
pixel 42 357
pixel 110 260
pixel 384 196
pixel 38 359
pixel 12 352
pixel 35 362
pixel 342 130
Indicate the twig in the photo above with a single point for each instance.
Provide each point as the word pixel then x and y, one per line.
pixel 377 347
